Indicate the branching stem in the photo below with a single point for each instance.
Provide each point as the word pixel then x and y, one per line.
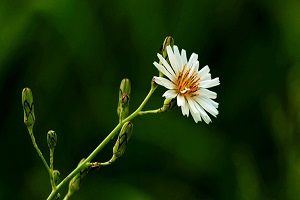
pixel 101 145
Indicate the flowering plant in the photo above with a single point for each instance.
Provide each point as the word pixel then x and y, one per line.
pixel 188 87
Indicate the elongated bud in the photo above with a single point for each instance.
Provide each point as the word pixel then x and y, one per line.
pixel 169 41
pixel 76 181
pixel 51 139
pixel 125 87
pixel 123 138
pixel 56 175
pixel 28 107
pixel 169 104
pixel 124 98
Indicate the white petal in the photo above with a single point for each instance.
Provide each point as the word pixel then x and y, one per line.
pixel 163 70
pixel 209 83
pixel 202 112
pixel 183 57
pixel 180 100
pixel 164 82
pixel 196 66
pixel 204 115
pixel 212 102
pixel 192 60
pixel 207 119
pixel 196 117
pixel 185 110
pixel 178 57
pixel 190 73
pixel 170 94
pixel 166 65
pixel 203 92
pixel 205 103
pixel 192 105
pixel 204 71
pixel 206 77
pixel 172 59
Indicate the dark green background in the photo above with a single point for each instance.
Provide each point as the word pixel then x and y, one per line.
pixel 73 55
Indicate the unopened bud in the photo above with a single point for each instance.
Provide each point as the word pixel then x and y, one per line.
pixel 125 87
pixel 123 138
pixel 169 41
pixel 123 107
pixel 56 175
pixel 169 104
pixel 51 139
pixel 76 181
pixel 28 107
pixel 124 97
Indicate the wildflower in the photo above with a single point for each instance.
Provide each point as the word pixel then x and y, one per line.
pixel 188 85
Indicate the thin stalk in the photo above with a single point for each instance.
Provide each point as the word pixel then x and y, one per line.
pixel 38 150
pixel 51 169
pixel 101 145
pixel 150 111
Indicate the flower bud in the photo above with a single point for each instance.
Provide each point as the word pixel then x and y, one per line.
pixel 123 108
pixel 56 175
pixel 125 87
pixel 169 104
pixel 169 41
pixel 51 139
pixel 123 138
pixel 28 107
pixel 76 181
pixel 124 97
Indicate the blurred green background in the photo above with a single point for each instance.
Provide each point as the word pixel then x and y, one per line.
pixel 73 55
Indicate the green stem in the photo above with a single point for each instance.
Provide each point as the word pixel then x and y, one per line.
pixel 137 111
pixel 68 195
pixel 101 145
pixel 106 163
pixel 51 169
pixel 38 150
pixel 150 111
pixel 51 159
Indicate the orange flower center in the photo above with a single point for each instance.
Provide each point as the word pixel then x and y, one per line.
pixel 187 82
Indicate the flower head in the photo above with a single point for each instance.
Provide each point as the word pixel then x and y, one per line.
pixel 188 84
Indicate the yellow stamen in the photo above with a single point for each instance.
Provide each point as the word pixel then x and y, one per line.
pixel 187 85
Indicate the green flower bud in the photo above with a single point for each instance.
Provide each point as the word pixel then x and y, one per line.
pixel 28 107
pixel 124 97
pixel 123 108
pixel 169 104
pixel 169 41
pixel 56 175
pixel 51 139
pixel 123 138
pixel 76 181
pixel 125 87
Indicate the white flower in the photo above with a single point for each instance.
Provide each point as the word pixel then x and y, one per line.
pixel 188 85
